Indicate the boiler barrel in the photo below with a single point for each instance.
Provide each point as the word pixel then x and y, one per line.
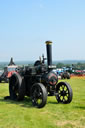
pixel 49 52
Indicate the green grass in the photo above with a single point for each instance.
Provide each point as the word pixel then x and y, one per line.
pixel 24 115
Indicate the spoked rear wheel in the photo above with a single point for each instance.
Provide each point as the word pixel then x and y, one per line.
pixel 38 95
pixel 64 93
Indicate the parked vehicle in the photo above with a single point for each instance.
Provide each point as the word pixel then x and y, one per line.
pixel 65 75
pixel 8 71
pixel 38 82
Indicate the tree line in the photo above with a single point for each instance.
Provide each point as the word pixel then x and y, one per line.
pixel 78 66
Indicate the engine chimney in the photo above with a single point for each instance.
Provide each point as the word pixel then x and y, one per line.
pixel 49 53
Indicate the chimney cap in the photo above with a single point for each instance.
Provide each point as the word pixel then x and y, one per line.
pixel 48 42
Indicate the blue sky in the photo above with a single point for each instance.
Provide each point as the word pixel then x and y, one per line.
pixel 25 25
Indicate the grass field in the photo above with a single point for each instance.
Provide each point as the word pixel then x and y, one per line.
pixel 53 115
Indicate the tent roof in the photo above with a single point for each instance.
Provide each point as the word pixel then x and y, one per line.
pixel 11 62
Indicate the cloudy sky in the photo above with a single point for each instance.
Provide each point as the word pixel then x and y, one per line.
pixel 25 25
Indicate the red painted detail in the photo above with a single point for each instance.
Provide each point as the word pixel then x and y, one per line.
pixel 52 83
pixel 9 74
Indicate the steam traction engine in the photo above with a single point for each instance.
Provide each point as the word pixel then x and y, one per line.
pixel 38 82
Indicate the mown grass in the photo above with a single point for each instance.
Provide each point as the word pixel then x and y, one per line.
pixel 23 115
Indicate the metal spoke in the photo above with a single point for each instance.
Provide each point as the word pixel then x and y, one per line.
pixel 63 87
pixel 40 95
pixel 67 92
pixel 63 98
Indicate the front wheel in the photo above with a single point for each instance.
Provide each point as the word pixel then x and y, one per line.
pixel 38 95
pixel 65 93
